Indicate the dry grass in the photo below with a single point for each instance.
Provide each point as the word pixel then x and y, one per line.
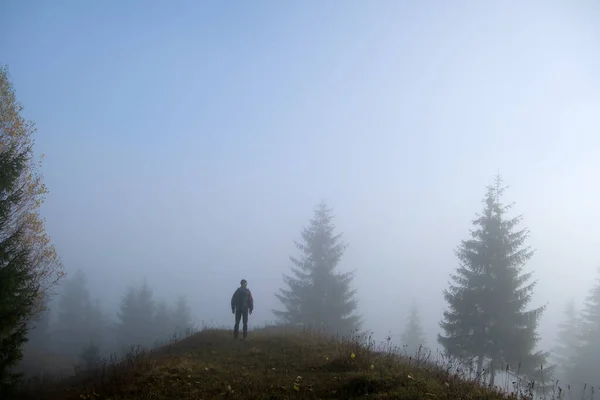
pixel 274 363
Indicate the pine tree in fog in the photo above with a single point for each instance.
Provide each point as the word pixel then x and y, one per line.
pixel 413 336
pixel 182 317
pixel 75 323
pixel 319 297
pixel 568 340
pixel 136 323
pixel 163 321
pixel 487 316
pixel 126 328
pixel 587 360
pixel 90 356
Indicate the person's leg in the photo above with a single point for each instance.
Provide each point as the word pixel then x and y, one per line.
pixel 236 328
pixel 245 321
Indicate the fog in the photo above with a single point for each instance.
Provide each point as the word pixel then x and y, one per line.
pixel 187 144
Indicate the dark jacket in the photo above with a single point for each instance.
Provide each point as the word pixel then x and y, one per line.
pixel 242 299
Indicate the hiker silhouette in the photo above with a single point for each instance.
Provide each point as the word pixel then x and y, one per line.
pixel 242 304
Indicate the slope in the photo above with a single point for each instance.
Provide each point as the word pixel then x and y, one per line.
pixel 273 363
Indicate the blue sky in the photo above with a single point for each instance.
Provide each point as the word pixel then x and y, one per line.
pixel 187 142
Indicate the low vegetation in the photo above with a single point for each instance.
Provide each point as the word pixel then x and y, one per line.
pixel 274 363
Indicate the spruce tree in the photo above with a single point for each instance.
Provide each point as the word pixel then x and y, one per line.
pixel 182 317
pixel 90 356
pixel 568 341
pixel 318 296
pixel 413 336
pixel 487 317
pixel 136 323
pixel 163 321
pixel 126 327
pixel 29 266
pixel 74 326
pixel 146 313
pixel 587 360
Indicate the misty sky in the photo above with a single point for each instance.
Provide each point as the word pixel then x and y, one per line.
pixel 187 142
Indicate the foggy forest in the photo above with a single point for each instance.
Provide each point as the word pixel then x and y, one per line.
pixel 415 174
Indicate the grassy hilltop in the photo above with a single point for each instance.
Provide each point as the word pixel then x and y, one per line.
pixel 272 364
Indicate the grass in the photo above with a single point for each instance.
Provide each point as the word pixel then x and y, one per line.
pixel 273 363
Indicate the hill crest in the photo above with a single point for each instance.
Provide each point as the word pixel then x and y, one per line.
pixel 273 363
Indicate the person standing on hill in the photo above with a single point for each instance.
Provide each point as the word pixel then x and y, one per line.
pixel 242 304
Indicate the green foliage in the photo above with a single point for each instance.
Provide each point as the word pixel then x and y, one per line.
pixel 319 297
pixel 489 294
pixel 25 254
pixel 39 338
pixel 38 330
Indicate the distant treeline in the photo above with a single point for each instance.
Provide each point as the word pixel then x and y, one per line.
pixel 77 331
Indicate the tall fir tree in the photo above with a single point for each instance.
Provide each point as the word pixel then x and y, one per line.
pixel 487 317
pixel 586 369
pixel 413 336
pixel 567 341
pixel 99 327
pixel 125 328
pixel 182 317
pixel 318 296
pixel 90 356
pixel 136 318
pixel 163 321
pixel 29 266
pixel 74 329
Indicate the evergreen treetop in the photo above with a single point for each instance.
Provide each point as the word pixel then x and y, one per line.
pixel 318 296
pixel 413 336
pixel 182 316
pixel 136 318
pixel 487 316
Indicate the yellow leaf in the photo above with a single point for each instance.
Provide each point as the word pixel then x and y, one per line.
pixel 352 355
